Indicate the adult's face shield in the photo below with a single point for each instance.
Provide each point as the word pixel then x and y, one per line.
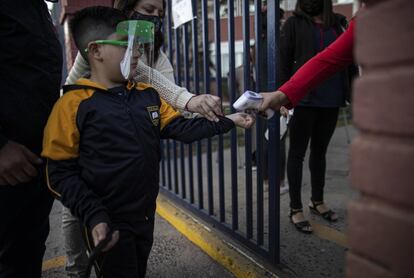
pixel 140 43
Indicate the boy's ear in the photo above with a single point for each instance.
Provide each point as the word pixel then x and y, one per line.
pixel 95 51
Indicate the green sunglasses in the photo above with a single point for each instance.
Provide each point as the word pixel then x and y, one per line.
pixel 118 43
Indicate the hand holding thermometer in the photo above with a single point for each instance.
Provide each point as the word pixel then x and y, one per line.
pixel 251 101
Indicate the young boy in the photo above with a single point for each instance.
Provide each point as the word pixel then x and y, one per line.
pixel 102 144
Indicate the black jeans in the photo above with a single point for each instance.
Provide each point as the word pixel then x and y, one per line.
pixel 318 125
pixel 24 214
pixel 128 258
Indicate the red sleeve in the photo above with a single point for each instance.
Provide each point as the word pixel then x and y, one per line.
pixel 326 63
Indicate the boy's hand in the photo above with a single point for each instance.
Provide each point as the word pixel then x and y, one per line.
pixel 243 120
pixel 17 164
pixel 100 232
pixel 207 105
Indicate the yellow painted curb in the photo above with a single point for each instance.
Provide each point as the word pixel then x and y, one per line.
pixel 328 233
pixel 210 243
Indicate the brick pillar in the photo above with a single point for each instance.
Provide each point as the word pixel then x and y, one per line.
pixel 69 7
pixel 381 222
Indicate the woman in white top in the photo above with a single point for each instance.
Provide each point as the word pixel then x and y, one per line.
pixel 162 79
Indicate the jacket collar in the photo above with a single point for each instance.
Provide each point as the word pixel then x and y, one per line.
pixel 88 82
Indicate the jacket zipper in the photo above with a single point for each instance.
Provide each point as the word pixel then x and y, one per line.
pixel 128 111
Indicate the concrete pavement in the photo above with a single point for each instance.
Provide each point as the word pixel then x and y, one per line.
pixel 172 254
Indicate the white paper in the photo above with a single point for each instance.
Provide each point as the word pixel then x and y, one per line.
pixel 283 128
pixel 283 121
pixel 182 12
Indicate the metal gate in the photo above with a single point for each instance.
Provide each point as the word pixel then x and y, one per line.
pixel 214 178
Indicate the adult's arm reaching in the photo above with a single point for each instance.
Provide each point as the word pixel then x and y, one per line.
pixel 334 58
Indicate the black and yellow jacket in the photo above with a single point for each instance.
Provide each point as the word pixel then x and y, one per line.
pixel 103 149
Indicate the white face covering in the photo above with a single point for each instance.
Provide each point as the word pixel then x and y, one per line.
pixel 140 38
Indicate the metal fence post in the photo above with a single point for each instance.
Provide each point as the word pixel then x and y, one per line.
pixel 274 141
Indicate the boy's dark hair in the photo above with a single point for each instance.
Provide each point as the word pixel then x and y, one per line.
pixel 94 23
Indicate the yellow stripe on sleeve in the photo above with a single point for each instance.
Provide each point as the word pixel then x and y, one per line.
pixel 168 113
pixel 61 135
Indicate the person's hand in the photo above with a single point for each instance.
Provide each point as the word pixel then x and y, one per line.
pixel 17 164
pixel 207 105
pixel 100 232
pixel 273 100
pixel 243 120
pixel 284 112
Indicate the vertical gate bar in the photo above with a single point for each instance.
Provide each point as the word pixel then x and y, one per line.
pixel 187 85
pixel 163 163
pixel 222 215
pixel 170 37
pixel 170 54
pixel 206 59
pixel 274 137
pixel 233 151
pixel 169 164
pixel 195 88
pixel 163 149
pixel 178 79
pixel 191 171
pixel 197 91
pixel 182 163
pixel 248 133
pixel 175 166
pixel 259 131
pixel 182 156
pixel 186 57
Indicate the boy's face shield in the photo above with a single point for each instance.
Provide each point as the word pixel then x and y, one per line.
pixel 140 42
